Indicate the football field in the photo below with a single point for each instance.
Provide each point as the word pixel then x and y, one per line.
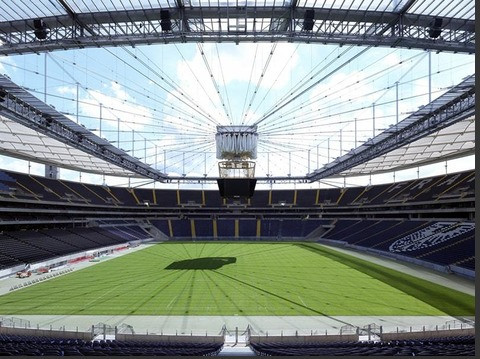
pixel 238 278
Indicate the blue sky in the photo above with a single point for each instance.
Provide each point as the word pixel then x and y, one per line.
pixel 171 97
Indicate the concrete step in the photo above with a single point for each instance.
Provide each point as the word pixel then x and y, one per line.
pixel 240 350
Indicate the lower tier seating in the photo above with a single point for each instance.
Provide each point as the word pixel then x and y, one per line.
pixel 232 228
pixel 23 247
pixel 11 345
pixel 441 242
pixel 461 346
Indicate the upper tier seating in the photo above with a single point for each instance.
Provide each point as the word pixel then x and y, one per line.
pixel 458 185
pixel 6 181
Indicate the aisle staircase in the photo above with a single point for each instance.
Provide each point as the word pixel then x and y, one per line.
pixel 235 344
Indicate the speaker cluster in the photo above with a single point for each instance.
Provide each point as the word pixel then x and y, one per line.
pixel 435 28
pixel 308 20
pixel 40 29
pixel 165 20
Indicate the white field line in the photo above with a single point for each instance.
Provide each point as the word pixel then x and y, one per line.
pixel 171 302
pixel 301 300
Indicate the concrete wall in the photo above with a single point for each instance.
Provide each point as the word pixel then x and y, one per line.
pixel 427 334
pixel 12 270
pixel 305 338
pixel 52 261
pixel 170 338
pixel 239 239
pixel 463 272
pixel 46 333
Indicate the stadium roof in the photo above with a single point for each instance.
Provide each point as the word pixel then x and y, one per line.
pixel 35 131
pixel 91 23
pixel 455 141
pixel 442 130
pixel 22 142
pixel 410 24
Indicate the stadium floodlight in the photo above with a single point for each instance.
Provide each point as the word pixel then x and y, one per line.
pixel 236 147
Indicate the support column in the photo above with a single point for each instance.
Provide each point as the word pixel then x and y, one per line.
pixel 308 168
pixel 341 147
pixel 118 132
pixel 77 102
pixel 101 120
pixel 328 150
pixel 355 132
pixel 289 164
pixel 183 165
pixel 45 78
pixel 205 164
pixel 133 143
pixel 429 76
pixel 164 161
pixel 396 101
pixel 373 119
pixel 268 164
pixel 51 171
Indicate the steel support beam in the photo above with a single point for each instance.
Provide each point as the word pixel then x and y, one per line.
pixel 264 180
pixel 20 106
pixel 215 24
pixel 455 105
pixel 75 18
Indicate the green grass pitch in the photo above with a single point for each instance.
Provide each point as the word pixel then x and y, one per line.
pixel 219 278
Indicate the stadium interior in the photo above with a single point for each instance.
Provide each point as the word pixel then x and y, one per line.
pixel 55 229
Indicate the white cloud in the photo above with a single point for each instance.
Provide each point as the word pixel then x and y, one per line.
pixel 232 67
pixel 391 59
pixel 67 90
pixel 237 61
pixel 119 91
pixel 232 64
pixel 121 105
